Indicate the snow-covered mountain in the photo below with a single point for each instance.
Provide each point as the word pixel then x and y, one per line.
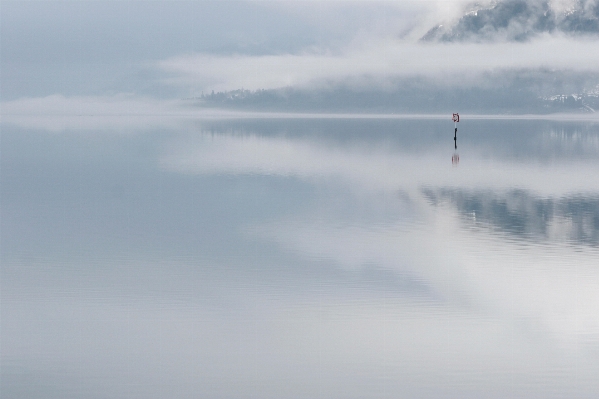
pixel 519 20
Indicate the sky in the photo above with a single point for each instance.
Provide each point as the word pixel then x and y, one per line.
pixel 173 50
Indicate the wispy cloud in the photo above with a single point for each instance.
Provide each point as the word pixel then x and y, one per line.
pixel 378 62
pixel 117 113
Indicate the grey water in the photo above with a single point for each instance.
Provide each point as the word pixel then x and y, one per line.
pixel 300 258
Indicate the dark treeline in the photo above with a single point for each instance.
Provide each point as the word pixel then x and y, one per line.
pixel 407 99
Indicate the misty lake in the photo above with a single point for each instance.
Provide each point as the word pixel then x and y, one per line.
pixel 300 258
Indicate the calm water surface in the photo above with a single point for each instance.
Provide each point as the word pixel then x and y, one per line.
pixel 300 258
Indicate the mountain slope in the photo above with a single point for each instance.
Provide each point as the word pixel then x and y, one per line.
pixel 518 20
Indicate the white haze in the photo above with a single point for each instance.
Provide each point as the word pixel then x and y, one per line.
pixel 124 112
pixel 378 62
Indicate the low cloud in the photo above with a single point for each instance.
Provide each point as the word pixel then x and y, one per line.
pixel 117 113
pixel 378 62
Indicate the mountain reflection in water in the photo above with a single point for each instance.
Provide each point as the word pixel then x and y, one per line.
pixel 574 219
